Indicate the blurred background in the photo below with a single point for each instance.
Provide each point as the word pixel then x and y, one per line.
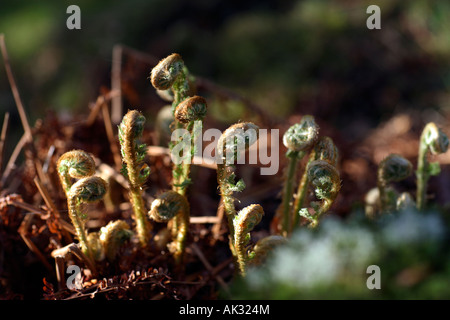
pixel 288 58
pixel 372 91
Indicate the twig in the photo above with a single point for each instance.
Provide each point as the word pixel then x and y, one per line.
pixel 155 151
pixel 215 230
pixel 14 89
pixel 95 109
pixel 116 84
pixel 23 232
pixel 3 138
pixel 21 109
pixel 48 201
pixel 208 266
pixel 110 134
pixel 211 219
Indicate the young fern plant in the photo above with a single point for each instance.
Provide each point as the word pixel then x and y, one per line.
pixel 75 164
pixel 298 139
pixel 393 168
pixel 171 76
pixel 190 112
pixel 243 223
pixel 324 149
pixel 78 164
pixel 233 141
pixel 86 190
pixel 263 248
pixel 113 236
pixel 325 179
pixel 171 205
pixel 135 169
pixel 433 141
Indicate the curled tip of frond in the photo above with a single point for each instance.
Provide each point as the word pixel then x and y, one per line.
pixel 164 74
pixel 77 164
pixel 191 109
pixel 302 135
pixel 113 235
pixel 268 243
pixel 325 179
pixel 435 138
pixel 248 218
pixel 394 168
pixel 325 149
pixel 132 125
pixel 239 136
pixel 167 205
pixel 264 246
pixel 90 189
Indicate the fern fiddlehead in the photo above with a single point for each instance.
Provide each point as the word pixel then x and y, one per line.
pixel 433 140
pixel 244 222
pixel 233 141
pixel 324 149
pixel 264 247
pixel 75 164
pixel 325 180
pixel 171 74
pixel 190 112
pixel 135 169
pixel 172 205
pixel 297 139
pixel 86 190
pixel 113 236
pixel 393 168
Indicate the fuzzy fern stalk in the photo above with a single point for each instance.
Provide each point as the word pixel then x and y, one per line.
pixel 298 139
pixel 433 141
pixel 244 222
pixel 171 76
pixel 324 149
pixel 232 143
pixel 168 206
pixel 85 190
pixel 393 168
pixel 75 164
pixel 135 169
pixel 190 112
pixel 325 180
pixel 113 236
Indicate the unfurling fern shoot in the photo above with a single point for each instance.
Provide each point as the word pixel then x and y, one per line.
pixel 190 112
pixel 172 74
pixel 85 190
pixel 135 169
pixel 264 247
pixel 326 182
pixel 298 139
pixel 173 206
pixel 75 164
pixel 232 143
pixel 244 222
pixel 393 168
pixel 113 236
pixel 433 141
pixel 324 149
